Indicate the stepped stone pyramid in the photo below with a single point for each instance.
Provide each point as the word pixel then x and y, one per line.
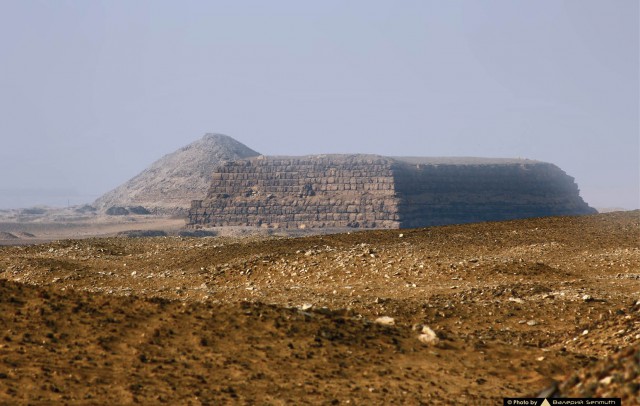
pixel 170 184
pixel 370 191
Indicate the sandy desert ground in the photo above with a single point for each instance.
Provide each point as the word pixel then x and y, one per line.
pixel 517 307
pixel 39 225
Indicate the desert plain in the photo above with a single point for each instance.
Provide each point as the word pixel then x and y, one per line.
pixel 519 308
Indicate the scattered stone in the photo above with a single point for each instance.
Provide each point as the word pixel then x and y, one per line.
pixel 531 323
pixel 606 381
pixel 138 210
pixel 516 300
pixel 587 298
pixel 85 209
pixel 197 233
pixel 428 336
pixel 385 321
pixel 142 233
pixel 117 211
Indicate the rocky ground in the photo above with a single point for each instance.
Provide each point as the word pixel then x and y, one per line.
pixel 516 307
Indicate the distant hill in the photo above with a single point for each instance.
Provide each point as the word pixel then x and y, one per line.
pixel 170 183
pixel 610 209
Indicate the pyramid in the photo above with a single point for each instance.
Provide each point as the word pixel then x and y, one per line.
pixel 372 191
pixel 170 183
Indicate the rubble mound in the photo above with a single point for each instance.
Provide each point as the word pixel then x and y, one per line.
pixel 142 233
pixel 170 183
pixel 123 211
pixel 197 233
pixel 117 211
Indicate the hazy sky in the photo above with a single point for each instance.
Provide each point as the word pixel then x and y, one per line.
pixel 92 92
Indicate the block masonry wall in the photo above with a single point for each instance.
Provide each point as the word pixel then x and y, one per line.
pixel 368 191
pixel 299 192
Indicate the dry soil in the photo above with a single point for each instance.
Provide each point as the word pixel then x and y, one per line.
pixel 517 307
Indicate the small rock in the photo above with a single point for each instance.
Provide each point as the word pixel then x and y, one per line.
pixel 516 300
pixel 133 273
pixel 385 321
pixel 400 235
pixel 587 298
pixel 428 336
pixel 606 381
pixel 306 306
pixel 532 323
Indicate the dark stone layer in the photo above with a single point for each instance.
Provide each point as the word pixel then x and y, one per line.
pixel 462 193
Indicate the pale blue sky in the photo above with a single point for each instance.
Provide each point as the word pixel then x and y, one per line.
pixel 92 92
